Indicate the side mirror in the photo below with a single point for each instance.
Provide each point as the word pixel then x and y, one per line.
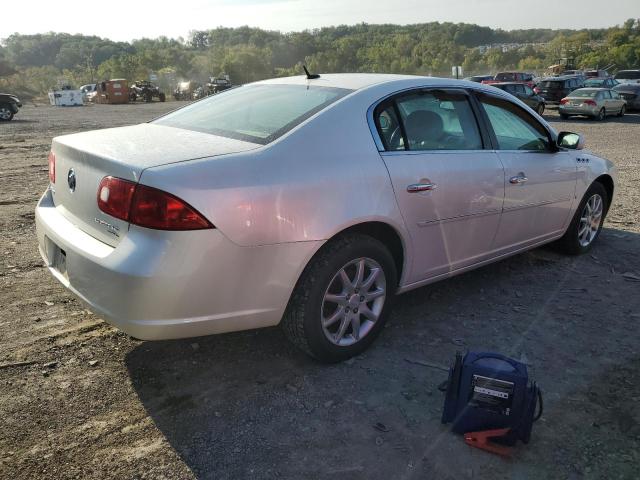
pixel 573 141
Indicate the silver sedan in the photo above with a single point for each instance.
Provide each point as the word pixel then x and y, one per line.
pixel 309 202
pixel 596 103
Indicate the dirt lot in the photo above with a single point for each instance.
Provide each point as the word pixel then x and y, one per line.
pixel 90 402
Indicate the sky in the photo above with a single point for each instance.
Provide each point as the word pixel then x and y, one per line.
pixel 175 19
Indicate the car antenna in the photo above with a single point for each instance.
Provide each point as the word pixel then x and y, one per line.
pixel 310 76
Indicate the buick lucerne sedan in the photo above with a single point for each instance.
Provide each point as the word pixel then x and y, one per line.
pixel 309 203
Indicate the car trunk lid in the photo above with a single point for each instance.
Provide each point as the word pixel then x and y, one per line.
pixel 84 159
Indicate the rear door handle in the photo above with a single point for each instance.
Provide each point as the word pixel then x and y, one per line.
pixel 518 179
pixel 421 187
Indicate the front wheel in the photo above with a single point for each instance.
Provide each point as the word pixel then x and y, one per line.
pixel 162 97
pixel 622 111
pixel 342 298
pixel 6 113
pixel 587 222
pixel 564 116
pixel 540 109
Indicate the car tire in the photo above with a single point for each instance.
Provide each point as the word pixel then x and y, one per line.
pixel 6 112
pixel 540 109
pixel 602 114
pixel 577 241
pixel 162 97
pixel 307 322
pixel 564 116
pixel 147 97
pixel 622 111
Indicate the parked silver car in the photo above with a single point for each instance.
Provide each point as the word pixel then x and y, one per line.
pixel 310 203
pixel 597 103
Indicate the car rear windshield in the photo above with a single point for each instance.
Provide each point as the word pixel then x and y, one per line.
pixel 551 84
pixel 505 77
pixel 584 93
pixel 628 74
pixel 254 113
pixel 594 82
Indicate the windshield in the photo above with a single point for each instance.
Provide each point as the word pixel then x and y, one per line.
pixel 594 82
pixel 254 113
pixel 628 74
pixel 584 93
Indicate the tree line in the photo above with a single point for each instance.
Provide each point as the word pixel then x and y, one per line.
pixel 31 64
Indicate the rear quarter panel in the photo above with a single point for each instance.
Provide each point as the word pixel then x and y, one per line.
pixel 320 178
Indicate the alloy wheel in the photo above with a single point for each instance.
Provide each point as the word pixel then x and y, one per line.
pixel 5 113
pixel 590 220
pixel 353 302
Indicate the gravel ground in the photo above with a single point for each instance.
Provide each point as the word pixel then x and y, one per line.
pixel 90 402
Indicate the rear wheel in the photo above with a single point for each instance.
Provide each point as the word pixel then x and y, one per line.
pixel 564 116
pixel 601 115
pixel 6 113
pixel 342 298
pixel 622 111
pixel 587 221
pixel 162 97
pixel 540 109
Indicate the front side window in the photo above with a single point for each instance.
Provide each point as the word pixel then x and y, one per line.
pixel 438 120
pixel 514 128
pixel 254 113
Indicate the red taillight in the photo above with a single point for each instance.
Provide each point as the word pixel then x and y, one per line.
pixel 114 197
pixel 536 90
pixel 52 167
pixel 563 101
pixel 590 102
pixel 147 206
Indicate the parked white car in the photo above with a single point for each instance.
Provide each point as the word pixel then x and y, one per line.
pixel 89 91
pixel 309 203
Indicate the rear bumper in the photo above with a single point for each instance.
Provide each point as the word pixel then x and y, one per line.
pixel 589 111
pixel 158 285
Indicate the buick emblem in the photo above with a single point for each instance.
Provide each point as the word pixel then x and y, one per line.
pixel 71 180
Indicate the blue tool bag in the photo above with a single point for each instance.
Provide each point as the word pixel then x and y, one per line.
pixel 487 391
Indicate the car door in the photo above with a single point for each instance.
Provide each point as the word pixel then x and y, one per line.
pixel 617 98
pixel 540 179
pixel 449 187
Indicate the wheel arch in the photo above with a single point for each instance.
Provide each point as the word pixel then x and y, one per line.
pixel 607 182
pixel 381 231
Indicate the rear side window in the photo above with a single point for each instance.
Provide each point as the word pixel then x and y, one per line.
pixel 514 128
pixel 552 84
pixel 254 113
pixel 429 120
pixel 628 74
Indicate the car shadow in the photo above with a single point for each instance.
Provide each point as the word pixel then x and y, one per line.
pixel 249 405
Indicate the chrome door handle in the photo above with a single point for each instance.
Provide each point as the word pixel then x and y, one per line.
pixel 518 179
pixel 421 187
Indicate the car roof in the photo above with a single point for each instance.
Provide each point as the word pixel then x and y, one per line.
pixel 559 77
pixel 362 81
pixel 351 81
pixel 509 83
pixel 590 89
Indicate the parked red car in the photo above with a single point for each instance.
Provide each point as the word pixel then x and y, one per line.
pixel 520 77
